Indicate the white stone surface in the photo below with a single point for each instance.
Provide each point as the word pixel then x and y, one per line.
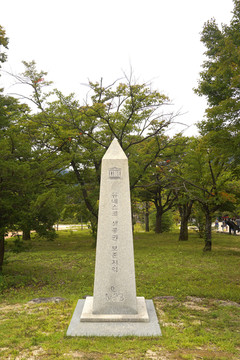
pixel 141 316
pixel 114 284
pixel 78 328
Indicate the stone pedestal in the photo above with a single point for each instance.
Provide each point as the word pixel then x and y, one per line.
pixel 114 304
pixel 114 328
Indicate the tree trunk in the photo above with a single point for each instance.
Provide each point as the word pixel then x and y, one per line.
pixel 158 225
pixel 183 235
pixel 147 217
pixel 1 250
pixel 208 232
pixel 26 234
pixel 94 231
pixel 185 212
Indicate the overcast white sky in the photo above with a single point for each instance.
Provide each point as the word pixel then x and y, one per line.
pixel 77 40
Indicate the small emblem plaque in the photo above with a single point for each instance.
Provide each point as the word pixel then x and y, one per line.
pixel 115 173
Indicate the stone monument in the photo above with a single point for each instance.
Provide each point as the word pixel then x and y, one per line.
pixel 114 309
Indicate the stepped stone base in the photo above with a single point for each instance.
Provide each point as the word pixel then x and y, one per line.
pixel 113 327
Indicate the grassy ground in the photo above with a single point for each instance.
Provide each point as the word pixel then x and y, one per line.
pixel 196 295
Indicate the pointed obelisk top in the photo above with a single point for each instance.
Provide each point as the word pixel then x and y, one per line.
pixel 114 151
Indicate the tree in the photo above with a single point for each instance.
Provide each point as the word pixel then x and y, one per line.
pixel 27 174
pixel 185 209
pixel 220 83
pixel 183 201
pixel 130 112
pixel 159 185
pixel 5 102
pixel 31 184
pixel 10 167
pixel 45 210
pixel 163 195
pixel 207 179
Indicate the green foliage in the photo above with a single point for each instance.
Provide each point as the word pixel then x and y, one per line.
pixel 220 83
pixel 4 43
pixel 12 152
pixel 207 178
pixel 16 245
pixel 45 212
pixel 80 134
pixel 207 174
pixel 158 185
pixel 74 210
pixel 199 219
pixel 27 177
pixel 50 159
pixel 167 221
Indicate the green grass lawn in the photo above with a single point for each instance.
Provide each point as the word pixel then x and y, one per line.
pixel 196 295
